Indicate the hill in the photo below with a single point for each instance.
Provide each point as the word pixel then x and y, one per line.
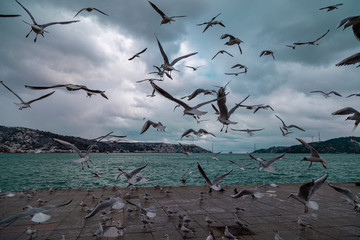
pixel 335 145
pixel 20 139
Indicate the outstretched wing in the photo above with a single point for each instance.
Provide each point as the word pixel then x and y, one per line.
pixel 168 96
pixel 32 18
pixel 317 184
pixel 322 35
pixel 345 111
pixel 65 22
pixel 157 9
pixel 312 150
pixel 166 60
pixel 203 174
pixel 182 57
pixel 187 132
pixel 221 177
pixel 44 96
pixel 67 144
pixel 12 91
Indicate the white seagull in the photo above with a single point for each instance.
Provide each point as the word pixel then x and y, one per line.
pixel 90 9
pixel 349 196
pixel 307 190
pixel 198 133
pixel 167 66
pixel 211 23
pixel 131 176
pixel 221 52
pixel 287 127
pixel 25 104
pixel 232 40
pixel 137 54
pixel 349 110
pixel 159 126
pixel 114 203
pixel 37 28
pixel 248 131
pixel 165 19
pixel 266 163
pixel 314 157
pixel 71 87
pixel 199 91
pixel 214 184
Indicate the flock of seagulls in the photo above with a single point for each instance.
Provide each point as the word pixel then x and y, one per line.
pixel 306 190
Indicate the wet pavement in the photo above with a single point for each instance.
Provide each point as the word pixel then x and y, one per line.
pixel 335 218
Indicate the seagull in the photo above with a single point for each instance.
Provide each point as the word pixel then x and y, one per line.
pixel 232 40
pixel 214 156
pixel 349 196
pixel 211 23
pixel 354 22
pixel 192 111
pixel 266 163
pixel 315 157
pixel 239 222
pixel 267 52
pixel 354 94
pixel 347 111
pixel 277 235
pixel 354 141
pixel 315 42
pixel 284 133
pixel 90 9
pixel 185 149
pixel 37 28
pixel 286 127
pixel 214 184
pixel 71 87
pixel 235 74
pixel 326 95
pixel 145 211
pixel 199 91
pixel 210 236
pixel 137 54
pixel 160 72
pixel 186 230
pixel 303 224
pixel 10 15
pixel 167 66
pixel 83 157
pixel 222 52
pixel 307 190
pixel 99 232
pixel 332 7
pixel 37 213
pixel 114 203
pixel 248 131
pixel 257 107
pixel 240 66
pixel 242 168
pixel 25 104
pixel 291 46
pixel 224 114
pixel 353 59
pixel 165 19
pixel 228 234
pixel 208 220
pixel 198 133
pixel 194 68
pixel 148 123
pixel 131 176
pixel 98 174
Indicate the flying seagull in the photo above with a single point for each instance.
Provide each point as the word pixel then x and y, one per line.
pixel 349 196
pixel 287 127
pixel 214 184
pixel 307 190
pixel 266 163
pixel 149 123
pixel 353 59
pixel 327 94
pixel 194 68
pixel 36 213
pixel 248 131
pixel 115 203
pixel 232 40
pixel 198 133
pixel 211 23
pixel 167 66
pixel 254 192
pixel 315 42
pixel 221 52
pixel 71 87
pixel 332 7
pixel 349 110
pixel 39 28
pixel 314 157
pixel 131 176
pixel 240 66
pixel 137 54
pixel 165 19
pixel 90 9
pixel 267 52
pixel 354 94
pixel 199 91
pixel 25 104
pixel 354 22
pixel 193 111
pixel 224 114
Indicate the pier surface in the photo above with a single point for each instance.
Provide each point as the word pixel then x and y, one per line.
pixel 335 219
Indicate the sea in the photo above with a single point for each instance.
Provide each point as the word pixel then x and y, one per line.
pixel 35 171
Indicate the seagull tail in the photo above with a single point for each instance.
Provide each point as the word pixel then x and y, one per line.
pixel 313 205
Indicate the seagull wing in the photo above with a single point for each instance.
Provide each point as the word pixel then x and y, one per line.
pixel 182 57
pixel 44 96
pixel 280 120
pixel 10 15
pixel 100 11
pixel 12 92
pixel 344 191
pixel 318 91
pixel 215 55
pixel 48 207
pixel 42 88
pixel 157 9
pixel 52 23
pixel 336 93
pixel 220 178
pixel 216 110
pixel 203 174
pixel 67 144
pixel 32 18
pixel 237 105
pixel 305 190
pixel 355 58
pixel 166 60
pixel 228 53
pixel 79 12
pixel 322 35
pixel 146 126
pixel 317 184
pixel 314 153
pixel 345 111
pixel 136 171
pixel 272 160
pixel 294 126
pixel 187 132
pixel 214 17
pixel 168 96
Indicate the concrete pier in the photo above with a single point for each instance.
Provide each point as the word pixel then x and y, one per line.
pixel 335 219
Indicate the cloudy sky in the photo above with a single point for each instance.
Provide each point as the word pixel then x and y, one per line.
pixel 94 52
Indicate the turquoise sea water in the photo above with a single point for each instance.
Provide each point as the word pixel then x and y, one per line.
pixel 57 169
